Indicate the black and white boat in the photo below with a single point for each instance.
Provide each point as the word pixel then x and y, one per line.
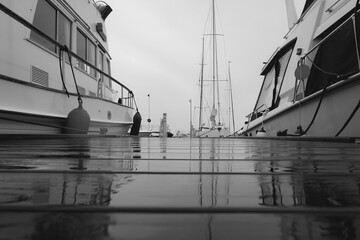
pixel 55 74
pixel 311 83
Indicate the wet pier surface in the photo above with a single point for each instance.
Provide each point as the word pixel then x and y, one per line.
pixel 153 188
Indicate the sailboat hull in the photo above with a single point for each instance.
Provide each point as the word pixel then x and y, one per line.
pixel 212 133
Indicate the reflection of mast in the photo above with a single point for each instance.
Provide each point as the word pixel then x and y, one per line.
pixel 200 175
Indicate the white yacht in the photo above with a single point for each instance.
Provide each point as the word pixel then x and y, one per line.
pixel 55 74
pixel 311 83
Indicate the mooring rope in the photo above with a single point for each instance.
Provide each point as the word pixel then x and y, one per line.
pixel 61 73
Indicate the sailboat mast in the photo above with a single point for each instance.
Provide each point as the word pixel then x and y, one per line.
pixel 216 93
pixel 201 86
pixel 231 100
pixel 214 51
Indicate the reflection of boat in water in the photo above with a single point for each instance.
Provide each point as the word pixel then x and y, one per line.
pixel 153 131
pixel 211 73
pixel 311 83
pixel 111 188
pixel 149 131
pixel 55 58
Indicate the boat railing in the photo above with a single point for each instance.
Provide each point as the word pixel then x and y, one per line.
pixel 126 96
pixel 258 112
pixel 322 41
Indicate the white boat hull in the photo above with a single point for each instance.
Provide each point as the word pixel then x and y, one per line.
pixel 34 71
pixel 337 105
pixel 320 51
pixel 29 109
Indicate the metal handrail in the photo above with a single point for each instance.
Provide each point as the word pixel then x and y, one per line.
pixel 327 37
pixel 256 111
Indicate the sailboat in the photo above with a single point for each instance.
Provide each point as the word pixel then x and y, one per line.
pixel 215 124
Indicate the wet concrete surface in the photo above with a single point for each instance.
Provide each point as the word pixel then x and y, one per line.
pixel 154 188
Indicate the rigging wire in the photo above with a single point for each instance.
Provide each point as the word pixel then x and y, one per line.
pixel 212 45
pixel 72 70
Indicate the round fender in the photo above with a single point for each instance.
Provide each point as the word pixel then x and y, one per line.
pixel 78 121
pixel 135 128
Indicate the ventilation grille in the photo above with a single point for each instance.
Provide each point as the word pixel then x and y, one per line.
pixel 39 76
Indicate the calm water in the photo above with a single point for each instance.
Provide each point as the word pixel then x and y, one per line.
pixel 153 188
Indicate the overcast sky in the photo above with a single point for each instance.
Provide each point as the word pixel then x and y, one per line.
pixel 156 48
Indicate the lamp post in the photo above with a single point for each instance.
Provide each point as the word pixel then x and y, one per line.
pixel 191 126
pixel 149 119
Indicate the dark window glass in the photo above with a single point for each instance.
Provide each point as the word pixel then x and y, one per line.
pixel 100 60
pixel 108 71
pixel 336 55
pixel 86 50
pixel 81 49
pixel 91 57
pixel 45 20
pixel 64 30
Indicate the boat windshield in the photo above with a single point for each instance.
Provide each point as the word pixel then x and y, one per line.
pixel 271 89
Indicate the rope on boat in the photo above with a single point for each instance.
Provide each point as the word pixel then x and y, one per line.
pixel 349 119
pixel 61 73
pixel 28 25
pixel 338 76
pixel 73 73
pixel 358 55
pixel 317 110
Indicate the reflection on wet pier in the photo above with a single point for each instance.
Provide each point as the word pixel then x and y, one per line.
pixel 154 188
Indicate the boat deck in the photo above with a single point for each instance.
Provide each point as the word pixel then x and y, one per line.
pixel 60 187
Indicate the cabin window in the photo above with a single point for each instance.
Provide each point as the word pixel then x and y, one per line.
pixel 335 60
pixel 274 75
pixel 101 63
pixel 283 63
pixel 81 49
pixel 108 71
pixel 53 23
pixel 101 60
pixel 269 95
pixel 91 54
pixel 64 30
pixel 87 51
pixel 265 98
pixel 45 20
